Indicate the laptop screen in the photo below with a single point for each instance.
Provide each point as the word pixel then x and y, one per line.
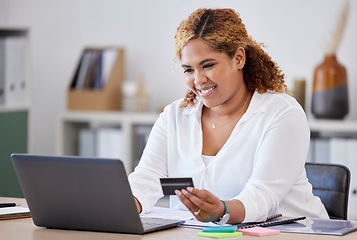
pixel 78 193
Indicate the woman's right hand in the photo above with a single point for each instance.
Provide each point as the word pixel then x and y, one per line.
pixel 205 206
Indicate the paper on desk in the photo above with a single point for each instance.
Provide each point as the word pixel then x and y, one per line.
pixel 168 213
pixel 179 214
pixel 14 212
pixel 7 210
pixel 193 223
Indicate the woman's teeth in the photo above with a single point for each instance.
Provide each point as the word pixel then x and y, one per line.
pixel 204 91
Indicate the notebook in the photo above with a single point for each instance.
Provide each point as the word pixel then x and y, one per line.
pixel 14 212
pixel 319 226
pixel 271 221
pixel 81 193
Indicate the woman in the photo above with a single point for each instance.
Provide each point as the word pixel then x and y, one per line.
pixel 237 133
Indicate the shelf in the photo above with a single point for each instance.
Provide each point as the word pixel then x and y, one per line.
pixel 14 109
pixel 71 122
pixel 13 31
pixel 110 117
pixel 333 126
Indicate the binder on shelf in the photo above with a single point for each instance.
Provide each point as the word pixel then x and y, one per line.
pixel 110 143
pixel 141 135
pixel 12 71
pixel 321 152
pixel 2 71
pixel 103 142
pixel 97 82
pixel 338 151
pixel 84 69
pixel 87 142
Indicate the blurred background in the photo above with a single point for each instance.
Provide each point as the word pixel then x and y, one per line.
pixel 295 34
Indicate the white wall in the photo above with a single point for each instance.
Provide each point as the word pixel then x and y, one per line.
pixel 293 31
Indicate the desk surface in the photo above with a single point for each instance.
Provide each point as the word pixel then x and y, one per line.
pixel 24 229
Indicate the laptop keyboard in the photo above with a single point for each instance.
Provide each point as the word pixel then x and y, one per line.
pixel 150 223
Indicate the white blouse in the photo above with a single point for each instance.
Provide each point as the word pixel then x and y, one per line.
pixel 207 159
pixel 261 164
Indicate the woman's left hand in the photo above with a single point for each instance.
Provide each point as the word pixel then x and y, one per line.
pixel 205 206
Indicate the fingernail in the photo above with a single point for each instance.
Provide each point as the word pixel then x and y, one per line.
pixel 190 189
pixel 178 193
pixel 184 191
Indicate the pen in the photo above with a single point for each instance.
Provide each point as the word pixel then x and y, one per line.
pixel 2 205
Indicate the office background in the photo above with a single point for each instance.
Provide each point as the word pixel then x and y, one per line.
pixel 294 33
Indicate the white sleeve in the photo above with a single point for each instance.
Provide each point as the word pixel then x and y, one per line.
pixel 145 180
pixel 279 161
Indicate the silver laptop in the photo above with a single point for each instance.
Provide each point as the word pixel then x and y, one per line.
pixel 81 194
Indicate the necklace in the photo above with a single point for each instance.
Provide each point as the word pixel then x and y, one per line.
pixel 245 104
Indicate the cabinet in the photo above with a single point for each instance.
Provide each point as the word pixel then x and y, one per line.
pixel 71 122
pixel 14 110
pixel 13 139
pixel 335 141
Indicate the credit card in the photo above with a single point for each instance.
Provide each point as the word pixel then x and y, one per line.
pixel 169 185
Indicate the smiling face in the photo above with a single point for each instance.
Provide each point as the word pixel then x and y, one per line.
pixel 213 76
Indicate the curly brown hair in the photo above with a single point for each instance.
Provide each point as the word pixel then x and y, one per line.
pixel 224 31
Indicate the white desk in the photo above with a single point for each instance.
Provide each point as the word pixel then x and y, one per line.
pixel 24 229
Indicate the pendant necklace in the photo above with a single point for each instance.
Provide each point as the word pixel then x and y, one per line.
pixel 214 125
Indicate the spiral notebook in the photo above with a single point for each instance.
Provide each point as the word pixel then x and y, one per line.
pixel 271 221
pixel 14 212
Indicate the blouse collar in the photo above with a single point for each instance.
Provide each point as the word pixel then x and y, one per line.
pixel 257 104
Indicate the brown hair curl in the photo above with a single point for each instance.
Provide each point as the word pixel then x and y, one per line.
pixel 224 31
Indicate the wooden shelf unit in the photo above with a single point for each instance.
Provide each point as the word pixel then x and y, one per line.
pixel 72 121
